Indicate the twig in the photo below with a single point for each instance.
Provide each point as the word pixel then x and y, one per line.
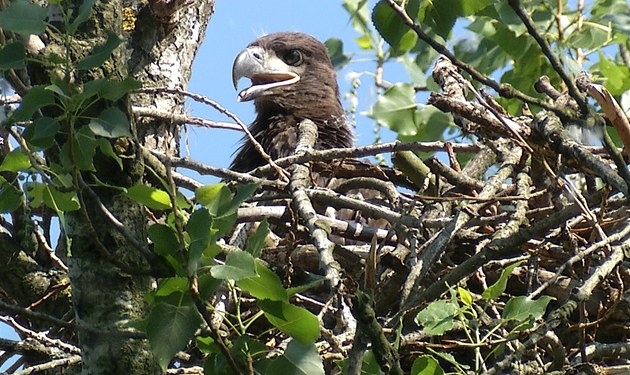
pixel 220 108
pixel 438 244
pixel 50 365
pixel 555 63
pixel 561 314
pixel 503 89
pixel 362 151
pixel 183 119
pixel 224 173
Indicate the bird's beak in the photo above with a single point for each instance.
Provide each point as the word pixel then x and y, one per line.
pixel 265 71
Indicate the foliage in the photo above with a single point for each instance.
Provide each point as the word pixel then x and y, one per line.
pixel 66 140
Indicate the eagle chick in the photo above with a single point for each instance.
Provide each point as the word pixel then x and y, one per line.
pixel 292 80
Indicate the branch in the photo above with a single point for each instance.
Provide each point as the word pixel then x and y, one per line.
pixel 505 90
pixel 362 151
pixel 559 140
pixel 218 107
pixel 203 169
pixel 300 180
pixel 183 119
pixel 555 63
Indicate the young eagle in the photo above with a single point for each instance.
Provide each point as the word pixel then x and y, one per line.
pixel 292 80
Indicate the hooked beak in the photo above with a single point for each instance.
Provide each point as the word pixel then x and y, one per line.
pixel 266 72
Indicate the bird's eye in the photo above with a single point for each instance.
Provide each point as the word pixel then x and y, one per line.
pixel 293 57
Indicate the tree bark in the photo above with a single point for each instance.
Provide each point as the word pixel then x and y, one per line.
pixel 111 276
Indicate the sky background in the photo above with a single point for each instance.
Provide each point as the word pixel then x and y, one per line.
pixel 234 24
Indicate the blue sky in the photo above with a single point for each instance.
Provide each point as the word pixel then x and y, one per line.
pixel 234 24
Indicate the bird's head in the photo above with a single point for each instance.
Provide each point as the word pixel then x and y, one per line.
pixel 290 72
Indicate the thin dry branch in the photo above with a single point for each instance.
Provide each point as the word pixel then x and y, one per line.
pixel 220 108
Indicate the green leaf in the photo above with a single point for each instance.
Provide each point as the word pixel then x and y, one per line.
pixel 15 161
pixel 496 289
pixel 266 285
pixel 238 265
pixel 41 133
pixel 206 345
pixel 85 9
pixel 522 308
pixel 335 51
pixel 12 56
pixel 592 36
pixel 10 196
pixel 151 197
pixel 111 123
pixel 617 76
pixel 61 201
pixel 437 317
pixel 316 282
pixel 298 359
pixel 166 244
pixel 164 239
pixel 426 365
pixel 208 286
pixel 36 98
pixel 83 151
pixel 256 242
pixel 170 328
pixel 100 53
pixel 114 89
pixel 198 228
pixel 465 296
pixel 359 15
pixel 107 150
pixel 24 17
pixel 243 192
pixel 213 197
pixel 171 285
pixel 388 23
pixel 295 321
pixel 396 109
pixel 369 366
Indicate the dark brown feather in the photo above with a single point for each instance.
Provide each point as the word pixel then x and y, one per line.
pixel 315 96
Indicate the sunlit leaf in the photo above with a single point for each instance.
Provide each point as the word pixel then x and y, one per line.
pixel 437 317
pixel 151 197
pixel 295 321
pixel 496 289
pixel 522 308
pixel 238 265
pixel 15 161
pixel 426 365
pixel 298 359
pixel 265 285
pixel 396 109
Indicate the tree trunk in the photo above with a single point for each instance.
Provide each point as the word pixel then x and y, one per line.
pixel 110 274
